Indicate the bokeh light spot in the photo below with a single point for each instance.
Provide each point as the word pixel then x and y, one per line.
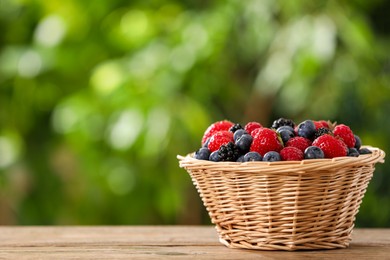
pixel 30 64
pixel 50 31
pixel 125 130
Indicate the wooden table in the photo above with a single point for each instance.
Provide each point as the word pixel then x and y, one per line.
pixel 161 242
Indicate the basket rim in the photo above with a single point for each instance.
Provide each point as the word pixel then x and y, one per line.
pixel 377 156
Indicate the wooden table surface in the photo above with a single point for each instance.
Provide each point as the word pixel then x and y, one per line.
pixel 162 242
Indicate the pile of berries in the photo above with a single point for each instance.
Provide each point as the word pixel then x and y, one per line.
pixel 283 141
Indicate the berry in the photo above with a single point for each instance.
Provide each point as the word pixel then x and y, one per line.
pixel 255 131
pixel 228 152
pixel 240 159
pixel 291 153
pixel 299 142
pixel 285 135
pixel 282 122
pixel 238 134
pixel 321 124
pixel 214 157
pixel 322 131
pixel 252 156
pixel 202 154
pixel 307 129
pixel 346 134
pixel 285 127
pixel 313 152
pixel 272 156
pixel 206 144
pixel 216 127
pixel 266 140
pixel 235 127
pixel 358 142
pixel 252 126
pixel 244 143
pixel 220 138
pixel 353 152
pixel 364 151
pixel 331 146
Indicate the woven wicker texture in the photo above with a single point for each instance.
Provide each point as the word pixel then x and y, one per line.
pixel 309 204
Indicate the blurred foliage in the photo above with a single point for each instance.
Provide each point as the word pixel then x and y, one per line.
pixel 98 97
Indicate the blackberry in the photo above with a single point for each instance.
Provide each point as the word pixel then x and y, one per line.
pixel 322 131
pixel 235 128
pixel 228 152
pixel 282 122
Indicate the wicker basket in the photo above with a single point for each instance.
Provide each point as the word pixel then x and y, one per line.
pixel 309 204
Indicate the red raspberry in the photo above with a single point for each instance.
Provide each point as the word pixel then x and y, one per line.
pixel 299 142
pixel 321 123
pixel 346 134
pixel 252 126
pixel 216 127
pixel 220 138
pixel 291 153
pixel 331 146
pixel 255 131
pixel 266 140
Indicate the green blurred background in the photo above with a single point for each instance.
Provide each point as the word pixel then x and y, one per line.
pixel 98 97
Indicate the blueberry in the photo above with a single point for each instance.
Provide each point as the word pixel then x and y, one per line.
pixel 286 135
pixel 285 127
pixel 244 142
pixel 206 144
pixel 353 152
pixel 358 142
pixel 202 154
pixel 214 156
pixel 272 156
pixel 307 129
pixel 240 159
pixel 313 152
pixel 238 133
pixel 252 156
pixel 364 151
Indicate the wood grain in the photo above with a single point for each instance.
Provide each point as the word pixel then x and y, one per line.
pixel 162 242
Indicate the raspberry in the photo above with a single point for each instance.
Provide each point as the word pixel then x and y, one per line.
pixel 266 140
pixel 216 127
pixel 291 153
pixel 331 146
pixel 252 126
pixel 255 131
pixel 345 133
pixel 220 138
pixel 299 142
pixel 321 124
